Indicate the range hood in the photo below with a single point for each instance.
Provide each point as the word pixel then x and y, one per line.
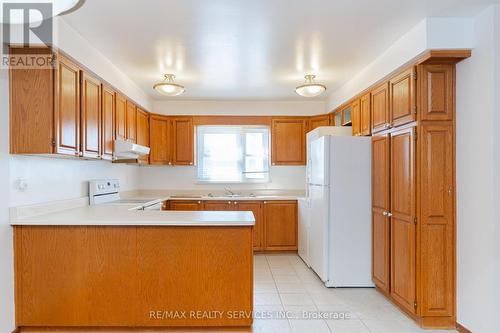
pixel 129 152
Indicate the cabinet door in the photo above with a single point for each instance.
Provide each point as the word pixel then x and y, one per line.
pixel 356 118
pixel 380 108
pixel 289 141
pixel 91 116
pixel 121 117
pixel 402 221
pixel 437 226
pixel 131 122
pixel 108 122
pixel 437 87
pixel 381 206
pixel 258 230
pixel 280 220
pixel 143 132
pixel 366 112
pixel 183 141
pixel 186 205
pixel 402 98
pixel 337 118
pixel 318 121
pixel 68 108
pixel 160 140
pixel 218 205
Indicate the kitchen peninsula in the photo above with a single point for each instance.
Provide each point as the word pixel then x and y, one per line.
pixel 110 266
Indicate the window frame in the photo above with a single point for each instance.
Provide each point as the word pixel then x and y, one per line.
pixel 243 129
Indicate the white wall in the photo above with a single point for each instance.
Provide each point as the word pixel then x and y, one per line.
pixel 478 88
pixel 241 108
pixel 430 33
pixel 184 178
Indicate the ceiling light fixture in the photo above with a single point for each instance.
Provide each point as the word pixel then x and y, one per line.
pixel 310 88
pixel 168 87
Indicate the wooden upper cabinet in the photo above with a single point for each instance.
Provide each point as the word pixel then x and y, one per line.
pixel 403 229
pixel 402 104
pixel 131 122
pixel 380 108
pixel 317 121
pixel 182 140
pixel 337 118
pixel 32 89
pixel 331 117
pixel 289 141
pixel 437 86
pixel 437 196
pixel 356 118
pixel 91 117
pixel 366 112
pixel 143 132
pixel 108 122
pixel 280 220
pixel 67 113
pixel 380 208
pixel 160 140
pixel 121 117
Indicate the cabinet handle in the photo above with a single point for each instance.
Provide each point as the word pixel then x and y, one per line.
pixel 190 163
pixel 236 202
pixel 199 202
pixel 389 214
pixel 385 213
pixel 229 202
pixel 265 202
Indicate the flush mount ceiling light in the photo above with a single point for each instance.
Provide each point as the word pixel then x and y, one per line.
pixel 168 87
pixel 59 7
pixel 310 88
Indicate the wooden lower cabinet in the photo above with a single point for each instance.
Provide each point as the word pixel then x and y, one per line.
pixel 280 221
pixel 109 277
pixel 258 230
pixel 275 221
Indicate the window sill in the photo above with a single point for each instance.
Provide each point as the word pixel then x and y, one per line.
pixel 211 182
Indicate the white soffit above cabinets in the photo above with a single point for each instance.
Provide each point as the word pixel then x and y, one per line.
pixel 251 50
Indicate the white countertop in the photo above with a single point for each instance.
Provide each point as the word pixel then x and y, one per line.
pixel 110 215
pixel 77 211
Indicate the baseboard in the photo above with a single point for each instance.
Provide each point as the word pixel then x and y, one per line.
pixel 462 329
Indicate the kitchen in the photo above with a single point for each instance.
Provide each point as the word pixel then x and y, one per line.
pixel 105 177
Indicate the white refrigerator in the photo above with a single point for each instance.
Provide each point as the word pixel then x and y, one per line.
pixel 339 208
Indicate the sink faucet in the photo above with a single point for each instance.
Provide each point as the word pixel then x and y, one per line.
pixel 228 191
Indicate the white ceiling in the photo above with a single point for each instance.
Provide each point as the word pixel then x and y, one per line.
pixel 255 49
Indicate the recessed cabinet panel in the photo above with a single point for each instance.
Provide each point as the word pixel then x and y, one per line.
pixel 380 108
pixel 143 132
pixel 437 218
pixel 131 122
pixel 91 117
pixel 121 117
pixel 183 140
pixel 403 102
pixel 437 87
pixel 381 205
pixel 108 122
pixel 403 233
pixel 160 140
pixel 68 108
pixel 289 141
pixel 281 225
pixel 356 118
pixel 366 112
pixel 258 230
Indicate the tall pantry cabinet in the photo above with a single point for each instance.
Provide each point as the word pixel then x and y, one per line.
pixel 414 191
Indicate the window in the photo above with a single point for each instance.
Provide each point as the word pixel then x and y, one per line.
pixel 233 154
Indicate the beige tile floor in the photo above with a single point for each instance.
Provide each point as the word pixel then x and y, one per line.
pixel 284 283
pixel 285 289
